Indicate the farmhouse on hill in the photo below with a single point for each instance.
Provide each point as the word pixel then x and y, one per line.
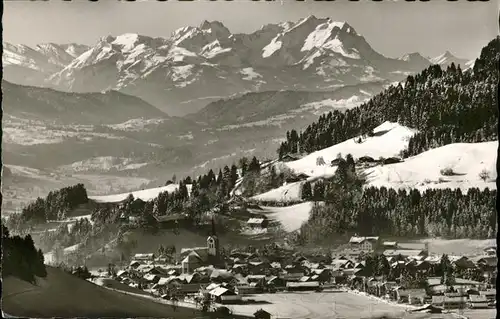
pixel 290 157
pixel 257 222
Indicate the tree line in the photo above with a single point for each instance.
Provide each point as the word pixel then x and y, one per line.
pixel 445 106
pixel 20 258
pixel 346 207
pixel 55 206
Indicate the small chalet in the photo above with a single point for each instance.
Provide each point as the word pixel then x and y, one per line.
pixel 258 268
pixel 462 262
pixel 412 296
pixel 122 274
pixel 389 245
pixel 490 251
pixel 144 257
pixel 366 244
pixel 257 222
pixel 490 294
pixel 259 279
pixel 366 159
pixel 296 178
pixel 290 158
pixel 342 263
pixel 276 282
pixel 478 301
pixel 224 295
pixel 487 263
pixel 151 278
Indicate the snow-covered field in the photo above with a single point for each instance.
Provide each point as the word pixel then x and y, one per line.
pixel 103 163
pixel 291 217
pixel 465 247
pixel 41 134
pixel 318 305
pixel 466 160
pixel 389 140
pixel 137 125
pixel 320 106
pixel 145 195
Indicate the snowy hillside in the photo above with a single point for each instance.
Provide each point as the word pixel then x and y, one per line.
pixel 388 141
pixel 145 195
pixel 423 171
pixel 286 193
pixel 291 217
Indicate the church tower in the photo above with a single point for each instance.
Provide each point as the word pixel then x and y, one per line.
pixel 213 242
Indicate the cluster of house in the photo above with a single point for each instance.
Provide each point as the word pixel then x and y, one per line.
pixel 202 271
pixel 416 258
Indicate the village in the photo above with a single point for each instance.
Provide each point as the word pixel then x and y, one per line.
pixel 206 278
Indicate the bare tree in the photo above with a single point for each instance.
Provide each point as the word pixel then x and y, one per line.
pixel 484 175
pixel 320 161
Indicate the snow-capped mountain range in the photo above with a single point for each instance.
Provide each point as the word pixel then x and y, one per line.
pixel 196 65
pixel 32 66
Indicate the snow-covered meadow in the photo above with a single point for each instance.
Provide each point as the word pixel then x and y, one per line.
pixel 389 140
pixel 466 160
pixel 145 194
pixel 327 304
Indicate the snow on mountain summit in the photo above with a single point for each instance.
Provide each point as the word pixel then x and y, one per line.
pixel 323 36
pixel 198 62
pixel 447 58
pixel 412 57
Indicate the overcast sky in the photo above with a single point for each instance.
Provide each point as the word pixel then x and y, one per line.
pixel 393 28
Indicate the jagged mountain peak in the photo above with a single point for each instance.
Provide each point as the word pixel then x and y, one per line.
pixel 75 49
pixel 21 48
pixel 447 58
pixel 214 26
pixel 412 57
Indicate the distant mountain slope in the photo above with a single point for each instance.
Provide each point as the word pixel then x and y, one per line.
pixel 196 65
pixel 282 105
pixel 79 108
pixel 416 60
